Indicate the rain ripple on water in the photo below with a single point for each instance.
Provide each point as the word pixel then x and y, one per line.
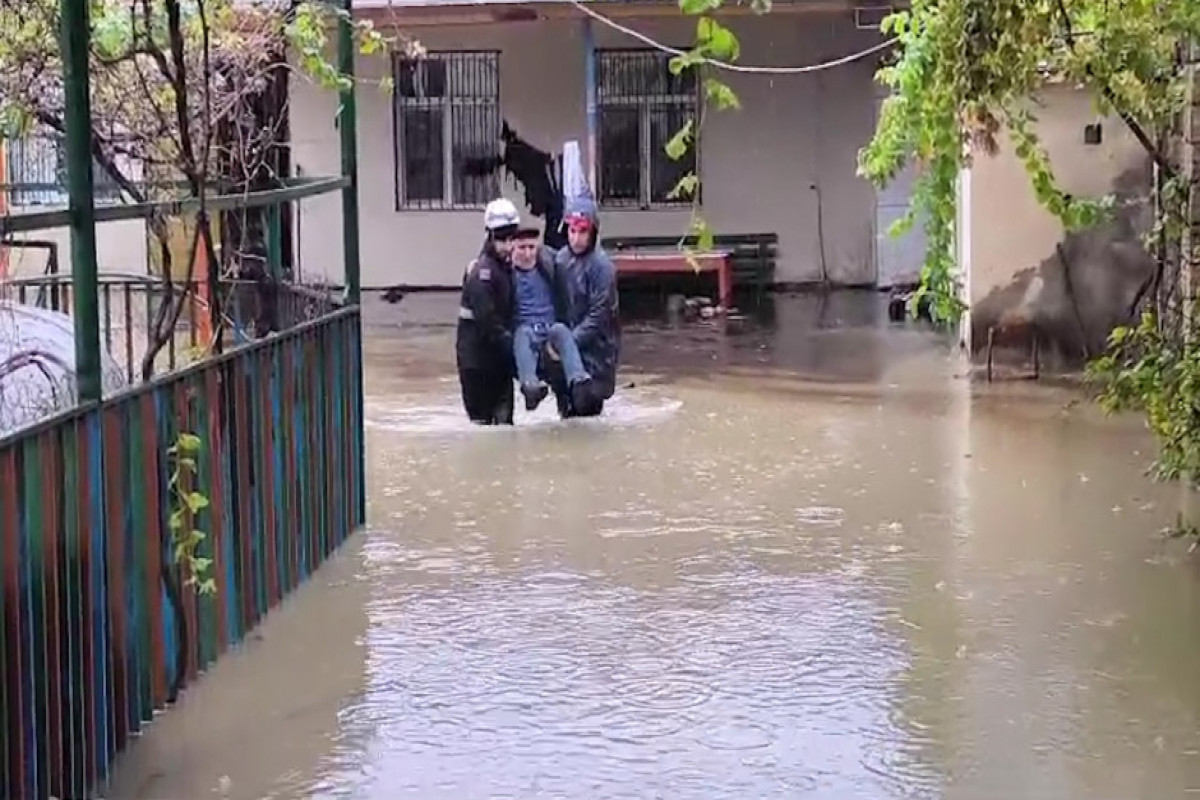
pixel 557 680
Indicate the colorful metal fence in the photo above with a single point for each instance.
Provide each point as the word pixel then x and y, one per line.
pixel 89 630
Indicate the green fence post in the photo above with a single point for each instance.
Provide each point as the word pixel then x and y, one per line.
pixel 348 122
pixel 78 121
pixel 348 119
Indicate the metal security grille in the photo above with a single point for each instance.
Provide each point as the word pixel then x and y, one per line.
pixel 36 174
pixel 641 106
pixel 447 108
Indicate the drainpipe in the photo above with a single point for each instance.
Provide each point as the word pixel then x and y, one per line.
pixel 589 78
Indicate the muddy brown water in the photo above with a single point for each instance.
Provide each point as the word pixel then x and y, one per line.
pixel 738 584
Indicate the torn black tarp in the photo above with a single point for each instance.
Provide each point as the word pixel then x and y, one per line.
pixel 535 171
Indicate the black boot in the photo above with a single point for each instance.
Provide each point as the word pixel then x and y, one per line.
pixel 581 394
pixel 534 395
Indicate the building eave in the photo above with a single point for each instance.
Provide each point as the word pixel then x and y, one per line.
pixel 411 13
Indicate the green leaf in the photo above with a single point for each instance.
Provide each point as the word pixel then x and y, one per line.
pixel 685 189
pixel 196 502
pixel 677 147
pixel 371 45
pixel 704 234
pixel 188 443
pixel 723 45
pixel 716 41
pixel 694 7
pixel 720 95
pixel 112 34
pixel 685 61
pixel 900 226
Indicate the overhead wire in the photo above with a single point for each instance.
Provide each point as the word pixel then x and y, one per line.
pixel 725 65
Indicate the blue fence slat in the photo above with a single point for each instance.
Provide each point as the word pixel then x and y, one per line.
pixel 278 484
pixel 101 752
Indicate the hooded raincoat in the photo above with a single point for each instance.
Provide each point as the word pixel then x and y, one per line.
pixel 588 283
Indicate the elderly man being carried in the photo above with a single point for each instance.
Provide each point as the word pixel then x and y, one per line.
pixel 540 309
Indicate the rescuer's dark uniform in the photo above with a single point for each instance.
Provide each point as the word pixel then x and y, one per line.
pixel 484 345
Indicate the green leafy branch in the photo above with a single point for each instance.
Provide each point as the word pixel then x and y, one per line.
pixel 307 33
pixel 185 506
pixel 966 69
pixel 1148 370
pixel 714 43
pixel 963 72
pixel 1153 366
pixel 919 123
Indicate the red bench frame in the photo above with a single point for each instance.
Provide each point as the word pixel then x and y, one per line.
pixel 651 263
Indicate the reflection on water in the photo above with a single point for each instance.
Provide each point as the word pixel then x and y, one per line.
pixel 730 591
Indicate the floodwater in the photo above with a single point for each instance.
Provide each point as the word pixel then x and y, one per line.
pixel 768 572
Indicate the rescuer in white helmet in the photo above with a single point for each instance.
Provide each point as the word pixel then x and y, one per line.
pixel 484 344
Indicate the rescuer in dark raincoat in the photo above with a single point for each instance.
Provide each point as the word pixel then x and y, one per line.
pixel 484 343
pixel 587 279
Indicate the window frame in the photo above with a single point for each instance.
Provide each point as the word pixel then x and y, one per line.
pixel 645 104
pixel 447 104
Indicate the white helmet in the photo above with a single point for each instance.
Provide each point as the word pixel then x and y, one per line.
pixel 500 213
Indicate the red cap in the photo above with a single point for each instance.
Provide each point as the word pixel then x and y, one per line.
pixel 579 222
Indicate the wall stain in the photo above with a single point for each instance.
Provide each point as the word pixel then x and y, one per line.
pixel 1079 292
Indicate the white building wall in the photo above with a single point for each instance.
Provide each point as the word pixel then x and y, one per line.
pixel 762 166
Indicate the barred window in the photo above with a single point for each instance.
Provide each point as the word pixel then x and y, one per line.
pixel 641 106
pixel 36 173
pixel 447 113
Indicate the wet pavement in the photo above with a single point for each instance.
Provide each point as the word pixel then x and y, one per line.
pixel 811 561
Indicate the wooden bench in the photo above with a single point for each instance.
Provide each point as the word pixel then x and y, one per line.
pixel 642 262
pixel 751 256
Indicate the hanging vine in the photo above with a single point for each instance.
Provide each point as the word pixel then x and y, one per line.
pixel 186 504
pixel 963 77
pixel 713 43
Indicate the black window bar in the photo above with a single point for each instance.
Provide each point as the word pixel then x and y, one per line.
pixel 447 113
pixel 641 106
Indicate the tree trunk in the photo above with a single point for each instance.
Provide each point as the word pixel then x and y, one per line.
pixel 261 166
pixel 1190 245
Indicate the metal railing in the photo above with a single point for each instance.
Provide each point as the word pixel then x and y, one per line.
pixel 129 306
pixel 91 643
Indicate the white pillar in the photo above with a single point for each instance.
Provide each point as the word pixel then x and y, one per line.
pixel 962 247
